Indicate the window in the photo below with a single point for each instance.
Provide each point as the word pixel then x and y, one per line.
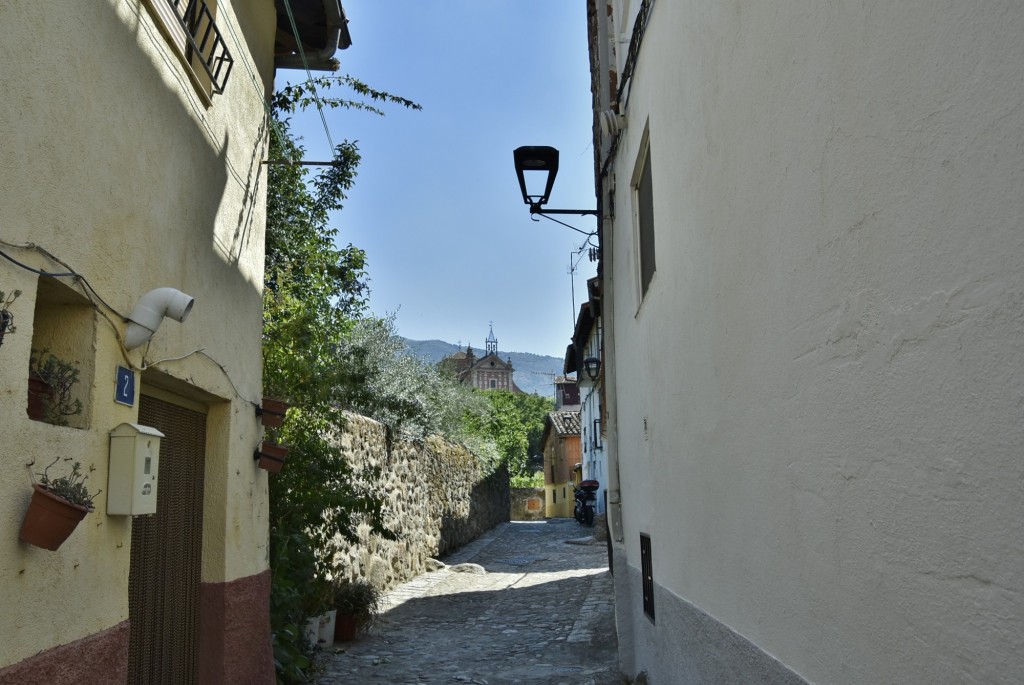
pixel 190 28
pixel 63 334
pixel 647 569
pixel 494 384
pixel 643 207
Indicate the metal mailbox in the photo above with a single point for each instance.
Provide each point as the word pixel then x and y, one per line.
pixel 134 465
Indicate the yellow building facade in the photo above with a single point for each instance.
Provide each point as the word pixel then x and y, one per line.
pixel 133 188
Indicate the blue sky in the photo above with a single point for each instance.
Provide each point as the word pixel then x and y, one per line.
pixel 436 205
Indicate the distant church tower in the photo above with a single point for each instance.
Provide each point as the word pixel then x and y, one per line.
pixel 487 373
pixel 491 344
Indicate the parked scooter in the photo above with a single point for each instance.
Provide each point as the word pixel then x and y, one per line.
pixel 586 499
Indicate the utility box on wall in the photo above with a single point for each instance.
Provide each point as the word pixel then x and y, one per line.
pixel 134 463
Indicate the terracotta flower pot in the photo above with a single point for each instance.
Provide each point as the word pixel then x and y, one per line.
pixel 346 626
pixel 272 412
pixel 50 519
pixel 38 391
pixel 270 457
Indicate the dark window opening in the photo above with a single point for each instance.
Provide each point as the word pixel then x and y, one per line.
pixel 645 222
pixel 647 569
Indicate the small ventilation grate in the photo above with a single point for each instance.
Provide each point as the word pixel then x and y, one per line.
pixel 647 568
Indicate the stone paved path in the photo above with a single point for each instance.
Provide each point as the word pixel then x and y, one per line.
pixel 537 610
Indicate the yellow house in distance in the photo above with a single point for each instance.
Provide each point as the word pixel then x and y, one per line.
pixel 132 224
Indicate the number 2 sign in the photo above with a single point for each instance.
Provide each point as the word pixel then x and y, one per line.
pixel 124 390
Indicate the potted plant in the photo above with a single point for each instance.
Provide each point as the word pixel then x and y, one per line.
pixel 6 315
pixel 315 603
pixel 52 382
pixel 270 457
pixel 357 602
pixel 57 506
pixel 272 412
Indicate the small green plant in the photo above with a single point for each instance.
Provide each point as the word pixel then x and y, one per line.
pixel 6 315
pixel 61 377
pixel 357 598
pixel 70 487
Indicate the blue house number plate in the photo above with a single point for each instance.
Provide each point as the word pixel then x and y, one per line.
pixel 124 393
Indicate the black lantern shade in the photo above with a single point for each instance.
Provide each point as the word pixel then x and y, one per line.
pixel 536 158
pixel 592 365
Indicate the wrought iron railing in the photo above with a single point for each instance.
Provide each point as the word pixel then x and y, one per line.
pixel 204 45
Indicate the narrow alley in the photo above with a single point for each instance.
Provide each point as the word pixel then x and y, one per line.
pixel 530 602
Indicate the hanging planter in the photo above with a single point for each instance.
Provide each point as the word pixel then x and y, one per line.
pixel 50 520
pixel 56 509
pixel 270 457
pixel 272 412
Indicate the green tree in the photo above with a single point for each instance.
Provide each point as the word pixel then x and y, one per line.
pixel 404 392
pixel 314 293
pixel 515 422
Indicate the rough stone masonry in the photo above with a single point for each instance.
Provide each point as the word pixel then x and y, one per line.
pixel 438 499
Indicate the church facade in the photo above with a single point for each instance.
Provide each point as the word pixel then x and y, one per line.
pixel 489 372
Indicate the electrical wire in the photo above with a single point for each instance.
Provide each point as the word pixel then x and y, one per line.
pixel 309 74
pixel 90 293
pixel 93 295
pixel 203 353
pixel 26 267
pixel 275 126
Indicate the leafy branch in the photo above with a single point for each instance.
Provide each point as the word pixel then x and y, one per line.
pixel 299 96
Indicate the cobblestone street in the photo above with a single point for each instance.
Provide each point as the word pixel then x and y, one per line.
pixel 529 602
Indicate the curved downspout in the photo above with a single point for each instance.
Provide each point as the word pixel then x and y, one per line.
pixel 150 312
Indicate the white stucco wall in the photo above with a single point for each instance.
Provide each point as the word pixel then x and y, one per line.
pixel 595 461
pixel 111 161
pixel 819 403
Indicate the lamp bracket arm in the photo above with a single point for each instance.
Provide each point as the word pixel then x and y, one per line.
pixel 544 213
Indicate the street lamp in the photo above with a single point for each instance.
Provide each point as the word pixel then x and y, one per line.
pixel 540 160
pixel 592 365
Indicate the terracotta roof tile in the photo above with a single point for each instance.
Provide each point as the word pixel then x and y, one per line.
pixel 565 422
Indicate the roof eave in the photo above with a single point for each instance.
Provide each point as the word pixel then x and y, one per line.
pixel 336 37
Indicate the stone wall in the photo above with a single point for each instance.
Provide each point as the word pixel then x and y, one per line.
pixel 527 504
pixel 438 499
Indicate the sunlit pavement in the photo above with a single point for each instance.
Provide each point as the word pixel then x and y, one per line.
pixel 540 613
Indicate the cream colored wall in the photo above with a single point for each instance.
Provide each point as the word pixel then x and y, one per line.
pixel 560 506
pixel 112 162
pixel 565 453
pixel 819 402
